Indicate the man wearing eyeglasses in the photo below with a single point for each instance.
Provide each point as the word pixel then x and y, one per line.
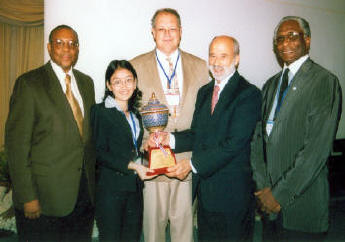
pixel 48 142
pixel 300 115
pixel 175 76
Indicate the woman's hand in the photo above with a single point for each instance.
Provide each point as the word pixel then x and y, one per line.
pixel 141 170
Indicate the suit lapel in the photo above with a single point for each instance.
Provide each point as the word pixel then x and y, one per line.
pixel 58 97
pixel 186 77
pixel 271 93
pixel 141 131
pixel 227 95
pixel 82 90
pixel 117 115
pixel 155 77
pixel 298 83
pixel 298 80
pixel 204 102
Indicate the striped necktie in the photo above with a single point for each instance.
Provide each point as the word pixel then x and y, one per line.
pixel 78 116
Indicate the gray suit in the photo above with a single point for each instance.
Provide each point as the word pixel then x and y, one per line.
pixel 292 159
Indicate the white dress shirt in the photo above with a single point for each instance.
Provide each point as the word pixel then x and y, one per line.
pixel 165 64
pixel 293 68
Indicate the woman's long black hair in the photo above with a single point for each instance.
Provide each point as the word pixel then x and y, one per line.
pixel 135 99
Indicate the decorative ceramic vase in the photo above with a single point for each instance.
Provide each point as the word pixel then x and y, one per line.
pixel 155 118
pixel 155 115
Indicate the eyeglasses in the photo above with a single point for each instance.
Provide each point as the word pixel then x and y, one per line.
pixel 170 30
pixel 291 37
pixel 119 82
pixel 59 44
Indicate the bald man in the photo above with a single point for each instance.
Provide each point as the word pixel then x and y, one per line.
pixel 226 112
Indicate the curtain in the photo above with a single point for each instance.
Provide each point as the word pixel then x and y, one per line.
pixel 21 46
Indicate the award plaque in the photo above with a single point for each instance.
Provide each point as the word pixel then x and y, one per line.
pixel 155 118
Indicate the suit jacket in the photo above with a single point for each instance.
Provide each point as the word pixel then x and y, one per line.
pixel 292 160
pixel 221 145
pixel 115 148
pixel 45 150
pixel 195 74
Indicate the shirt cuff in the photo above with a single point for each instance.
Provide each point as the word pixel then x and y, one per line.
pixel 193 168
pixel 172 141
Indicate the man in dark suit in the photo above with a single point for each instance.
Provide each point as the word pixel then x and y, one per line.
pixel 226 112
pixel 48 142
pixel 301 110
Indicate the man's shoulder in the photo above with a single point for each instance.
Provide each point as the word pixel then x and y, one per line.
pixel 204 88
pixel 271 80
pixel 82 75
pixel 315 67
pixel 33 76
pixel 97 108
pixel 195 59
pixel 247 87
pixel 142 58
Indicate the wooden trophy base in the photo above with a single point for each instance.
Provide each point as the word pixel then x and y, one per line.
pixel 160 161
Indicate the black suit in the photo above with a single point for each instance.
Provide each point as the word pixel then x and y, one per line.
pixel 221 151
pixel 118 190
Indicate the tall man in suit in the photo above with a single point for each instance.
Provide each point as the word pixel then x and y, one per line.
pixel 226 112
pixel 301 110
pixel 174 76
pixel 51 156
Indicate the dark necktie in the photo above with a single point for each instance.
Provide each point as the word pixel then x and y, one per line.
pixel 283 86
pixel 78 116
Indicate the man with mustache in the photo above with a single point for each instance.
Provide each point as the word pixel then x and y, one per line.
pixel 226 112
pixel 301 110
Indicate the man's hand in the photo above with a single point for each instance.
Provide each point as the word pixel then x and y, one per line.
pixel 32 209
pixel 267 201
pixel 156 138
pixel 180 170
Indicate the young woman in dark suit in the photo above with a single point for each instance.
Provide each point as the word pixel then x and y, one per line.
pixel 118 134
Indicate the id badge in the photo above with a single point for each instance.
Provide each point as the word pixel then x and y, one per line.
pixel 173 97
pixel 269 127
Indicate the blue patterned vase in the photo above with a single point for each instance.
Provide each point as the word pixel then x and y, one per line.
pixel 155 115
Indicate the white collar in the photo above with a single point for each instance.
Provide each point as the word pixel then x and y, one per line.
pixel 162 57
pixel 110 102
pixel 225 80
pixel 294 66
pixel 59 71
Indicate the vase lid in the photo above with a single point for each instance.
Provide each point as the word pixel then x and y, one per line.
pixel 154 105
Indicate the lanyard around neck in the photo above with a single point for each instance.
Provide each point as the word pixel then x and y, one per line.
pixel 165 74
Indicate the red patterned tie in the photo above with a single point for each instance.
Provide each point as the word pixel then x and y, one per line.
pixel 214 97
